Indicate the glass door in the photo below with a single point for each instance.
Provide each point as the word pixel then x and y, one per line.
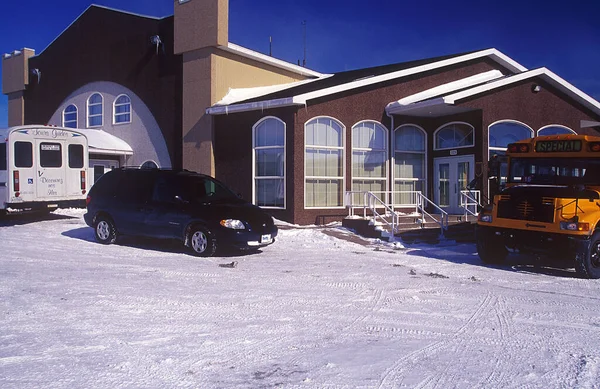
pixel 451 176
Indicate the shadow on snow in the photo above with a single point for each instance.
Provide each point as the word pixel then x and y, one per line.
pixel 515 262
pixel 162 245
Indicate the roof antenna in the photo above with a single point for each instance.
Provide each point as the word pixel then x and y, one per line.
pixel 304 39
pixel 270 46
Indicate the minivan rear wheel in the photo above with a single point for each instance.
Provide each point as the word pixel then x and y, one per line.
pixel 105 230
pixel 202 242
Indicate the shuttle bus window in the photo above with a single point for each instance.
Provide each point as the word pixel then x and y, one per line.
pixel 50 155
pixel 76 156
pixel 2 156
pixel 23 154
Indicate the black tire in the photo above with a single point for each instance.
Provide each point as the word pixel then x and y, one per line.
pixel 587 258
pixel 490 247
pixel 104 230
pixel 202 242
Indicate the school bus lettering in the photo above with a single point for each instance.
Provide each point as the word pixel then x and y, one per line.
pixel 558 146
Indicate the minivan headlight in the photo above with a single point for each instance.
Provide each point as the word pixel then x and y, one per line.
pixel 234 224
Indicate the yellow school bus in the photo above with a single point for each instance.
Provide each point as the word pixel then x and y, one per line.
pixel 550 205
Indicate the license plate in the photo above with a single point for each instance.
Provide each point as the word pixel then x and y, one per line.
pixel 265 238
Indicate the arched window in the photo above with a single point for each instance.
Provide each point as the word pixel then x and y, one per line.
pixel 70 116
pixel 269 163
pixel 409 162
pixel 454 136
pixel 149 165
pixel 369 157
pixel 324 163
pixel 555 130
pixel 122 109
pixel 500 135
pixel 94 110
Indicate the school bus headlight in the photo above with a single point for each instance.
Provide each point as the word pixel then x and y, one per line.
pixel 574 226
pixel 486 218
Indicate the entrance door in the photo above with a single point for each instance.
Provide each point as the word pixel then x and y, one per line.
pixel 451 175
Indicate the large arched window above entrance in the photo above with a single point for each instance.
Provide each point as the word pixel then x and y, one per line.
pixel 555 130
pixel 369 157
pixel 409 162
pixel 269 163
pixel 324 163
pixel 500 135
pixel 454 136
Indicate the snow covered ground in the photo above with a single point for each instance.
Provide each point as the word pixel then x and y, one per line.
pixel 310 311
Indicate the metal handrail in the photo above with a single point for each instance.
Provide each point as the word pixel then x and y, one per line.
pixel 372 200
pixel 470 198
pixel 443 222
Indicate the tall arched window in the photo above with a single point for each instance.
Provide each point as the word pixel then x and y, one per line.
pixel 70 116
pixel 454 136
pixel 122 109
pixel 500 135
pixel 369 157
pixel 409 162
pixel 324 163
pixel 555 130
pixel 269 163
pixel 94 110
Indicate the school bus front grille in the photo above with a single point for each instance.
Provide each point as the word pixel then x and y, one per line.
pixel 523 208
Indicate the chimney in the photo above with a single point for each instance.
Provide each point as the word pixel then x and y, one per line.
pixel 200 24
pixel 15 78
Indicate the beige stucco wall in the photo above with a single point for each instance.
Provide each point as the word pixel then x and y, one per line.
pixel 235 71
pixel 208 74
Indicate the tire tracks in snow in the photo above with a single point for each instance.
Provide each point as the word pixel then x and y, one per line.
pixel 460 344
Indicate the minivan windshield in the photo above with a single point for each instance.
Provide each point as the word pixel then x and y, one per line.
pixel 205 189
pixel 555 171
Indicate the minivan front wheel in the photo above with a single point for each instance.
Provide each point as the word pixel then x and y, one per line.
pixel 202 242
pixel 105 230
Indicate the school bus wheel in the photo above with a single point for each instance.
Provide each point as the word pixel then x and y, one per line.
pixel 587 258
pixel 490 247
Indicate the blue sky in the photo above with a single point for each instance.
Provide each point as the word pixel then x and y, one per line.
pixel 342 35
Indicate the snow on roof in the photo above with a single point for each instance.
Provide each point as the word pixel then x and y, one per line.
pixel 303 98
pixel 543 73
pixel 100 141
pixel 240 94
pixel 445 89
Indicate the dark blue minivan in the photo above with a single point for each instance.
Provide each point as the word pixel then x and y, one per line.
pixel 176 204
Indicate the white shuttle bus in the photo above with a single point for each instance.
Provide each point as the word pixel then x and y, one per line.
pixel 42 168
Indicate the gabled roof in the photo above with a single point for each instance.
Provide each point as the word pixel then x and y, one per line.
pixel 451 97
pixel 100 7
pixel 344 81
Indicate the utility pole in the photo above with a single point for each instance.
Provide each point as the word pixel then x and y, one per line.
pixel 304 41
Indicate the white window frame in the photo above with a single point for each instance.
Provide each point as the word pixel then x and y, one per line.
pixel 435 134
pixel 76 112
pixel 254 150
pixel 385 150
pixel 101 114
pixel 342 148
pixel 424 153
pixel 556 125
pixel 114 110
pixel 496 148
pixel 152 161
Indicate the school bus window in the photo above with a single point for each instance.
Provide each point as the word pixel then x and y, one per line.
pixel 50 155
pixel 23 154
pixel 3 156
pixel 76 156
